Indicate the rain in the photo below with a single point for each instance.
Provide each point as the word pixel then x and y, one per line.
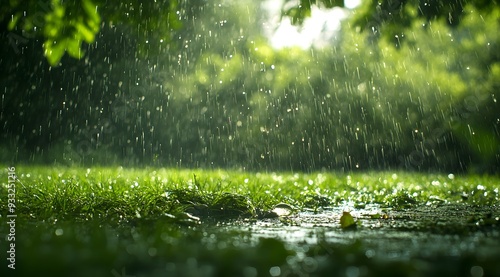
pixel 239 86
pixel 295 122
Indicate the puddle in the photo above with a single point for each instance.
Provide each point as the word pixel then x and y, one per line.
pixel 421 241
pixel 425 231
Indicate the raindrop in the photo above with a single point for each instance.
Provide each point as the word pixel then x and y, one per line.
pixel 477 271
pixel 352 271
pixel 275 271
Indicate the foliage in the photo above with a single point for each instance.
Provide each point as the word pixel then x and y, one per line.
pixel 64 26
pixel 219 95
pixel 394 19
pixel 298 12
pixel 124 195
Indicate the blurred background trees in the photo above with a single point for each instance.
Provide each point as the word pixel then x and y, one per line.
pixel 401 86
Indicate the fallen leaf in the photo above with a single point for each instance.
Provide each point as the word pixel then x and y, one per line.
pixel 347 221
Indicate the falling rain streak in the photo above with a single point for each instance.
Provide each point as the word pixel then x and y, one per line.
pixel 219 85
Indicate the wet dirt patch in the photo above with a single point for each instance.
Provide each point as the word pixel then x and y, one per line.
pixel 423 232
pixel 442 240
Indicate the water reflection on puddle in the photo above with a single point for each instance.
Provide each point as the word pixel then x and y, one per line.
pixel 381 232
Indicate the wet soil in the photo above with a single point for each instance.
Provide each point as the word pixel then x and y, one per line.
pixel 435 230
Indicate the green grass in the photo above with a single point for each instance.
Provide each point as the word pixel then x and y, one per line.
pixel 124 194
pixel 152 222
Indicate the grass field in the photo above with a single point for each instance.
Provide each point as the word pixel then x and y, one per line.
pixel 171 222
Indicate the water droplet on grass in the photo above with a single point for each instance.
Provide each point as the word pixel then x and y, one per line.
pixel 59 232
pixel 275 271
pixel 282 209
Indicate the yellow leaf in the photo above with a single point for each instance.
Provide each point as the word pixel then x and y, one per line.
pixel 347 221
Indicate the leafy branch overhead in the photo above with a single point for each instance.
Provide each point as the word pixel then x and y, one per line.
pixel 394 15
pixel 65 26
pixel 298 11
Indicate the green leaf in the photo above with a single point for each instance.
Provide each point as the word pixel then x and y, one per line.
pixel 73 48
pixel 54 50
pixel 333 3
pixel 91 10
pixel 84 32
pixel 13 22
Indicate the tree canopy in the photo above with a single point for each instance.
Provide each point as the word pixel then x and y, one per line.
pixel 65 25
pixel 396 17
